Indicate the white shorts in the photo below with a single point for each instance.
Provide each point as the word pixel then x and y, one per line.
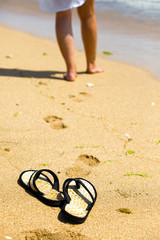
pixel 53 6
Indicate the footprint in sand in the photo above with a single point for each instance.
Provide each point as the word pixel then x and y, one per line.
pixel 55 122
pixel 77 171
pixel 77 99
pixel 88 160
pixel 46 235
pixel 83 95
pixel 74 98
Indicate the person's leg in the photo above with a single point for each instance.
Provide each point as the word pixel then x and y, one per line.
pixel 66 42
pixel 89 34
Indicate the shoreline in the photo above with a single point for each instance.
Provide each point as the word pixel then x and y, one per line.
pixel 130 41
pixel 116 121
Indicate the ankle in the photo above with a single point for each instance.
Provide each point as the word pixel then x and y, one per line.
pixel 93 68
pixel 70 75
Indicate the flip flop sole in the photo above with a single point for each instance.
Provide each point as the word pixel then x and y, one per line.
pixel 76 210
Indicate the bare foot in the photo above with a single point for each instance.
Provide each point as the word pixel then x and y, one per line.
pixel 94 69
pixel 70 76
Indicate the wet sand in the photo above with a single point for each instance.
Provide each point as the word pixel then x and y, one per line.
pixel 116 121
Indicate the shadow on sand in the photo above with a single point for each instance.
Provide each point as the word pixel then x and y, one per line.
pixel 32 74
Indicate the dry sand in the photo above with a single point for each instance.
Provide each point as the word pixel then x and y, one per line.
pixel 120 114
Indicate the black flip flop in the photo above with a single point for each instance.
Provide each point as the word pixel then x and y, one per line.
pixel 40 185
pixel 80 196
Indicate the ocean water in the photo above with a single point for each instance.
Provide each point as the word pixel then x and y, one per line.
pixel 135 3
pixel 138 4
pixel 132 31
pixel 148 10
pixel 129 29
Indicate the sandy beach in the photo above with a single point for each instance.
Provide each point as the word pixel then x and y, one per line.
pixel 111 138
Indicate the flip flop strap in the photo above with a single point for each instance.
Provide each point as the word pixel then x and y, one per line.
pixel 78 183
pixel 65 189
pixel 35 176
